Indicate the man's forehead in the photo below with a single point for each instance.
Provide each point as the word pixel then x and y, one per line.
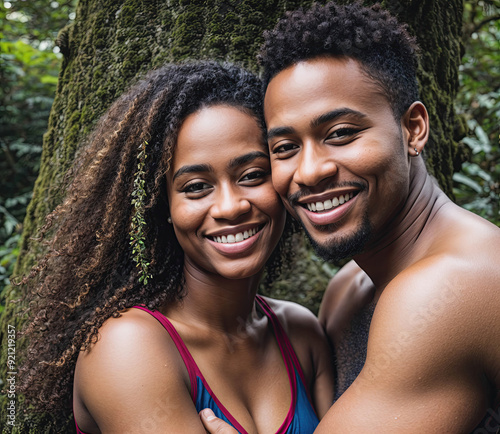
pixel 320 84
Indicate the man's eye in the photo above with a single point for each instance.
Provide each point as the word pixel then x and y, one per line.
pixel 342 133
pixel 196 187
pixel 284 148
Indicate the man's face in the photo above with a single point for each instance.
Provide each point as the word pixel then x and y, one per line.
pixel 339 159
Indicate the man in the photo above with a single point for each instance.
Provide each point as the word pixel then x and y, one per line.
pixel 346 134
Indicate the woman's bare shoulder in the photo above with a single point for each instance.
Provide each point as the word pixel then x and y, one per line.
pixel 132 371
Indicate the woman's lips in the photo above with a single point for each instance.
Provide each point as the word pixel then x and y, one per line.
pixel 235 243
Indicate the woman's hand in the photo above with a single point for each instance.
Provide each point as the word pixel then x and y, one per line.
pixel 213 424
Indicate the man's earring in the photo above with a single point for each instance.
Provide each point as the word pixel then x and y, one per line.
pixel 416 152
pixel 169 219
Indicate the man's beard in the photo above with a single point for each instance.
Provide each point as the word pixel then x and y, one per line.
pixel 347 246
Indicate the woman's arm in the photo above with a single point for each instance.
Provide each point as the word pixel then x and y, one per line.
pixel 133 380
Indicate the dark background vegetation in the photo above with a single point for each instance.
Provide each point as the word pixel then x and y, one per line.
pixel 30 64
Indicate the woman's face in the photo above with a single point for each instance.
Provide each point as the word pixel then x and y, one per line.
pixel 224 209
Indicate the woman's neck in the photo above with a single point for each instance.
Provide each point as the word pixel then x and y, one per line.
pixel 213 301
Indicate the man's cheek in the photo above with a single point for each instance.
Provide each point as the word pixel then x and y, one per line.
pixel 282 179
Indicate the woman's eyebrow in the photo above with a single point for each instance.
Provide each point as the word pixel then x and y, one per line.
pixel 193 168
pixel 243 159
pixel 238 161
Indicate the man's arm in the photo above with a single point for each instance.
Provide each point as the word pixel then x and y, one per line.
pixel 422 372
pixel 346 294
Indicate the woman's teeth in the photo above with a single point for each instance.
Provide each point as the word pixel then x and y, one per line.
pixel 330 203
pixel 236 238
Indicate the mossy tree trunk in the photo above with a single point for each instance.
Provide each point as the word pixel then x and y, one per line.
pixel 111 42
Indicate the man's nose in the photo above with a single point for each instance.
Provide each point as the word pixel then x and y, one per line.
pixel 229 203
pixel 316 163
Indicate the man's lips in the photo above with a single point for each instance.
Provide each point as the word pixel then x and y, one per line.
pixel 326 204
pixel 327 208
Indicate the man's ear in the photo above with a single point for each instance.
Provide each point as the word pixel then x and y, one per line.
pixel 416 124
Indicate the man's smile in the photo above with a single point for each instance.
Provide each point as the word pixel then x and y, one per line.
pixel 320 205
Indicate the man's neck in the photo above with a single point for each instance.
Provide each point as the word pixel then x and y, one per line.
pixel 405 239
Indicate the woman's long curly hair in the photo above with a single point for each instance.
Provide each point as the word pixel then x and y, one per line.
pixel 89 273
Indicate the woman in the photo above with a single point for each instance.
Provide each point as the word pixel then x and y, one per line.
pixel 151 285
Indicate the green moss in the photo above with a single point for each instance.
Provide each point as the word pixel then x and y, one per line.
pixel 128 14
pixel 187 33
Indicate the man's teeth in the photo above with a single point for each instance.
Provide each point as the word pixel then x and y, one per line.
pixel 236 238
pixel 330 203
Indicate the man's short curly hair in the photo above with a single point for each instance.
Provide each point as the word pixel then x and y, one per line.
pixel 370 35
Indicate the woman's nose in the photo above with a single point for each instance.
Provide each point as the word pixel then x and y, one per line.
pixel 229 204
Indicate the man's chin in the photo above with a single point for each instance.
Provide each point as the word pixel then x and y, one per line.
pixel 342 247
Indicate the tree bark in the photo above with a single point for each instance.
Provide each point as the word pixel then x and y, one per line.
pixel 111 42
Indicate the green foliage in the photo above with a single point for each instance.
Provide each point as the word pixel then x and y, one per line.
pixel 138 224
pixel 304 279
pixel 29 66
pixel 477 185
pixel 36 22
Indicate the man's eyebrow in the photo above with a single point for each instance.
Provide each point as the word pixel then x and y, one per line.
pixel 243 159
pixel 279 131
pixel 325 117
pixel 194 168
pixel 334 114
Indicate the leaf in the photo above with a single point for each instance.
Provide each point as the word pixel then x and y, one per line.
pixel 48 79
pixel 464 179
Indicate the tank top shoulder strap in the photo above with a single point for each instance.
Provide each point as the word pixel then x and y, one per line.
pixel 282 338
pixel 191 365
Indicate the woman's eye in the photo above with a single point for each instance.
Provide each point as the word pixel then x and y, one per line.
pixel 196 187
pixel 256 174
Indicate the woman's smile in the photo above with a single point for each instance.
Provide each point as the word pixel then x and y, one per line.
pixel 225 212
pixel 234 235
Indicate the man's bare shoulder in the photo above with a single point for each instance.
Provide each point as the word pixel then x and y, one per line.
pixel 460 262
pixel 347 292
pixel 464 253
pixel 432 341
pixel 455 224
pixel 448 301
pixel 293 316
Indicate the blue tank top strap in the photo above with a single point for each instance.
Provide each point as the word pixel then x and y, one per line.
pixel 284 338
pixel 301 417
pixel 201 393
pixel 189 362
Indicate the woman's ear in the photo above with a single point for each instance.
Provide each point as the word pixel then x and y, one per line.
pixel 416 124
